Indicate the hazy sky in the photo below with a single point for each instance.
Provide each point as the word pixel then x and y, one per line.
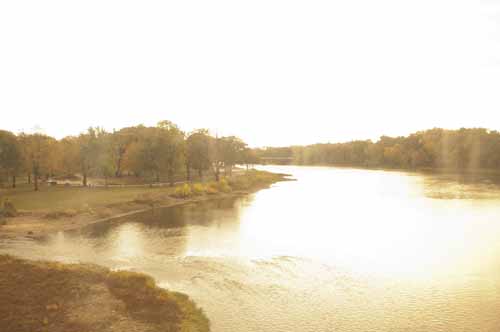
pixel 273 72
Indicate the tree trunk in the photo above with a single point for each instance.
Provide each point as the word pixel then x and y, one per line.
pixel 188 173
pixel 171 178
pixel 217 172
pixel 29 178
pixel 84 181
pixel 200 174
pixel 36 181
pixel 118 172
pixel 13 181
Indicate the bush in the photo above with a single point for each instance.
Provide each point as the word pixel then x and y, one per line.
pixel 223 186
pixel 183 191
pixel 211 190
pixel 198 189
pixel 218 187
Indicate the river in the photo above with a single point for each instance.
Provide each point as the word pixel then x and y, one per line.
pixel 337 250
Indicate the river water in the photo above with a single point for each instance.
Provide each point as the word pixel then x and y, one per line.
pixel 337 250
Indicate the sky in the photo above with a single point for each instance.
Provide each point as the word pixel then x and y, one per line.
pixel 270 71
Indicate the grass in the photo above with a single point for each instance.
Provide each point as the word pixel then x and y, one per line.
pixel 254 179
pixel 168 306
pixel 43 296
pixel 61 201
pixel 61 198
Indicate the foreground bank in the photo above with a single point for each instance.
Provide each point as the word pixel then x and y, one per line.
pixel 67 208
pixel 43 296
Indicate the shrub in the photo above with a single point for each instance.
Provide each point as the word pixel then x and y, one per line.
pixel 183 191
pixel 198 189
pixel 223 186
pixel 211 190
pixel 218 187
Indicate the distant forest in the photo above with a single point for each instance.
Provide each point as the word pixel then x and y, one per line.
pixel 463 149
pixel 160 153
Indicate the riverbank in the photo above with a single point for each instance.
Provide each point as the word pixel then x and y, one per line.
pixel 69 208
pixel 45 296
pixel 48 297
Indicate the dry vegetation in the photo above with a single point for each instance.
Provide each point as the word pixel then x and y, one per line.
pixel 251 180
pixel 52 297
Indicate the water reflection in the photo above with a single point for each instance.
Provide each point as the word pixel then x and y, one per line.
pixel 338 250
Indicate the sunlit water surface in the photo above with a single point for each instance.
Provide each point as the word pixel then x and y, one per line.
pixel 337 250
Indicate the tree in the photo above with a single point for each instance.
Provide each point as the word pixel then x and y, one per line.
pixel 144 155
pixel 249 157
pixel 88 152
pixel 216 156
pixel 37 154
pixel 231 149
pixel 119 142
pixel 171 149
pixel 10 155
pixel 198 152
pixel 105 163
pixel 69 160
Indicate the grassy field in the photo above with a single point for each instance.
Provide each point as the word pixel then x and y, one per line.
pixel 81 198
pixel 60 197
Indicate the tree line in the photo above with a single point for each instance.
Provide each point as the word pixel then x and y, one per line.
pixel 155 154
pixel 463 149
